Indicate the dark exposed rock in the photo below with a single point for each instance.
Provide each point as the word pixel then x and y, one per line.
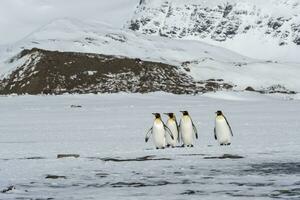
pixel 76 106
pixel 144 158
pixel 35 158
pixel 53 72
pixel 297 40
pixel 49 176
pixel 249 88
pixel 225 156
pixel 102 175
pixel 275 23
pixel 142 2
pixel 227 10
pixel 116 37
pixel 192 192
pixel 68 156
pixel 296 33
pixel 134 25
pixel 128 184
pixel 187 69
pixel 9 188
pixel 276 89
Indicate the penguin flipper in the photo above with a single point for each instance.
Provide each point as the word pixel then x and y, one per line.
pixel 148 134
pixel 195 130
pixel 179 133
pixel 169 132
pixel 228 126
pixel 215 133
pixel 177 126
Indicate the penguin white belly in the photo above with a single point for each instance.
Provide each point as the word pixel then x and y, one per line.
pixel 186 130
pixel 222 131
pixel 159 134
pixel 171 124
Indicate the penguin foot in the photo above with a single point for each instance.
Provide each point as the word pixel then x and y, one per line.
pixel 225 144
pixel 157 148
pixel 191 145
pixel 182 145
pixel 168 145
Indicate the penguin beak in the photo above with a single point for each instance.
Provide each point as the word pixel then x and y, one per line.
pixel 153 113
pixel 166 114
pixel 181 111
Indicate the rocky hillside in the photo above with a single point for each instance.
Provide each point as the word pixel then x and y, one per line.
pixel 220 21
pixel 175 46
pixel 273 22
pixel 190 66
pixel 53 72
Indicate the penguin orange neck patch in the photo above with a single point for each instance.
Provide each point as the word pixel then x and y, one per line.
pixel 157 120
pixel 219 117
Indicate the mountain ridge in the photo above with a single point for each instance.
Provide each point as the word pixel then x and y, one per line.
pixel 196 59
pixel 242 26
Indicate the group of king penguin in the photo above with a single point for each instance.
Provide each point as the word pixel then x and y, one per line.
pixel 172 134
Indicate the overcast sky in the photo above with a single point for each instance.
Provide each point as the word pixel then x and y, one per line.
pixel 19 18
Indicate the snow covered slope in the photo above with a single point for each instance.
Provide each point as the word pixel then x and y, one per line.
pixel 76 36
pixel 19 18
pixel 197 59
pixel 268 29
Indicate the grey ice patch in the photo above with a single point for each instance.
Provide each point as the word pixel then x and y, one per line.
pixel 225 156
pixel 275 168
pixel 144 158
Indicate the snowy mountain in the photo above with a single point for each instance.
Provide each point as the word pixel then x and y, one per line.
pixel 20 18
pixel 195 59
pixel 268 29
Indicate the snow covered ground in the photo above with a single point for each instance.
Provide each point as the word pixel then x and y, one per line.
pixel 108 129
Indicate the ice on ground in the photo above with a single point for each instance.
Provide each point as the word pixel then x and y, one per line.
pixel 108 131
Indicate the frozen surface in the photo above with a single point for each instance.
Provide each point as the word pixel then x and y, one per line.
pixel 34 129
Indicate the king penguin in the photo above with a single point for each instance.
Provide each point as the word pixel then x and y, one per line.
pixel 159 130
pixel 187 129
pixel 222 130
pixel 173 126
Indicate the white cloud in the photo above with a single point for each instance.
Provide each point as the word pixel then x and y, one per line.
pixel 20 17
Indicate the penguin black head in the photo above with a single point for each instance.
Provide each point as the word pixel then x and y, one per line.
pixel 157 115
pixel 171 115
pixel 185 112
pixel 219 112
